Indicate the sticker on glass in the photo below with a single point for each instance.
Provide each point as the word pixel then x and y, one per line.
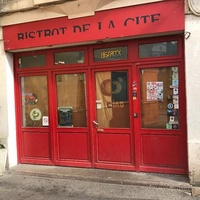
pixel 170 105
pixel 45 121
pixel 169 112
pixel 168 126
pixel 154 91
pixel 176 106
pixel 171 118
pixel 29 98
pixel 175 91
pixel 175 83
pixel 175 76
pixel 35 114
pixel 175 99
pixel 175 126
pixel 174 112
pixel 175 69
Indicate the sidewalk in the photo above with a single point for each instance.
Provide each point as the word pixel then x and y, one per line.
pixel 107 176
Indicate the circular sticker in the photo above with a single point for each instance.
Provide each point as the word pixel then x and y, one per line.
pixel 35 114
pixel 170 106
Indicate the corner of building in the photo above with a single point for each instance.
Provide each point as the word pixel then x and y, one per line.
pixel 7 108
pixel 192 52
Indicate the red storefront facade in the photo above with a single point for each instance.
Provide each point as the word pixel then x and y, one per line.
pixel 107 91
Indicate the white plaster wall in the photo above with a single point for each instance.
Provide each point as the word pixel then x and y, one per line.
pixel 7 105
pixel 71 9
pixel 192 59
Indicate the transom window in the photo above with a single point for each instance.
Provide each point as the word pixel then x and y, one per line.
pixel 158 49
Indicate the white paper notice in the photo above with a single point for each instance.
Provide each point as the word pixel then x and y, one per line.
pixel 45 121
pixel 154 91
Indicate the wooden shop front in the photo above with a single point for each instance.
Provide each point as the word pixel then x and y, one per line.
pixel 104 99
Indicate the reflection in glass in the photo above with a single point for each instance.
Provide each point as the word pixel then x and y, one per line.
pixel 71 100
pixel 112 103
pixel 158 49
pixel 69 57
pixel 160 98
pixel 32 61
pixel 34 100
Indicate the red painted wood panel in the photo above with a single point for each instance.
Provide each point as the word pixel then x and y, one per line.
pixel 162 150
pixel 73 146
pixel 36 145
pixel 114 148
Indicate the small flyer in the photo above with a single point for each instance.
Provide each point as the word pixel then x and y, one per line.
pixel 168 126
pixel 175 99
pixel 175 76
pixel 171 118
pixel 45 121
pixel 175 91
pixel 174 82
pixel 176 106
pixel 175 69
pixel 175 126
pixel 175 112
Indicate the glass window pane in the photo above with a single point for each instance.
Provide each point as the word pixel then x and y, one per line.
pixel 158 49
pixel 34 101
pixel 110 54
pixel 160 98
pixel 32 61
pixel 112 105
pixel 69 58
pixel 71 100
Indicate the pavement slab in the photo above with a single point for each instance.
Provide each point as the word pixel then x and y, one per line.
pixel 106 176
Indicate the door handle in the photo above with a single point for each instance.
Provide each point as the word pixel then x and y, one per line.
pixel 95 123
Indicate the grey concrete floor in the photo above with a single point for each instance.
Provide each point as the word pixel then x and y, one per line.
pixel 38 182
pixel 106 176
pixel 15 186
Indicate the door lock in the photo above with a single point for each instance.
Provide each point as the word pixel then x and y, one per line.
pixel 135 115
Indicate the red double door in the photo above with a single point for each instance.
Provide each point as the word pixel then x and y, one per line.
pixel 94 126
pixel 123 117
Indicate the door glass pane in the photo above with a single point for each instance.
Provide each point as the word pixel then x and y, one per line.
pixel 71 100
pixel 160 97
pixel 112 103
pixel 34 101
